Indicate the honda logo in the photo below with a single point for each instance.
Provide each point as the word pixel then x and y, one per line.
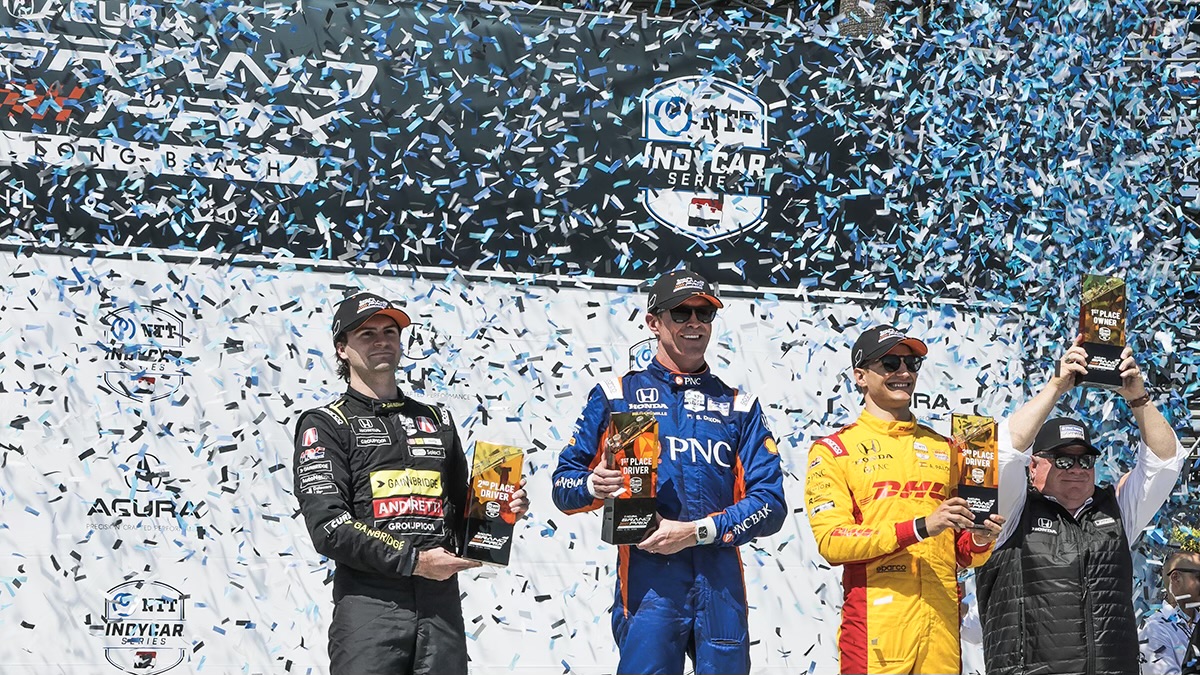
pixel 647 395
pixel 1045 523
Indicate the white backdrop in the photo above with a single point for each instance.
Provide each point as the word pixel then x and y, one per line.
pixel 198 453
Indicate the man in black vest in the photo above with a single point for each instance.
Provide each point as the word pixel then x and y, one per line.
pixel 1191 666
pixel 1056 597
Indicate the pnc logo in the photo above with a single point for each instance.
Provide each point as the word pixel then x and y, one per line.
pixel 913 489
pixel 709 451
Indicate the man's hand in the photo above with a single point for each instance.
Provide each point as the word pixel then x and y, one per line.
pixel 439 564
pixel 518 503
pixel 606 482
pixel 952 513
pixel 1027 420
pixel 1133 385
pixel 987 536
pixel 671 536
pixel 1072 367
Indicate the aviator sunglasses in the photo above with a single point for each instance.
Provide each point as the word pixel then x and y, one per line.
pixel 891 362
pixel 1065 462
pixel 703 314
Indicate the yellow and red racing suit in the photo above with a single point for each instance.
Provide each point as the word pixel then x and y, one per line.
pixel 869 487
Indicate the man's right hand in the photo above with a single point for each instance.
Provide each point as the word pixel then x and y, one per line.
pixel 439 564
pixel 952 513
pixel 605 482
pixel 1071 368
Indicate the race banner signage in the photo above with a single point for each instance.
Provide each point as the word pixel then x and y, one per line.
pixel 524 140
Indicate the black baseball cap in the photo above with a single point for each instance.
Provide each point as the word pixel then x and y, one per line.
pixel 1061 432
pixel 880 340
pixel 358 308
pixel 673 288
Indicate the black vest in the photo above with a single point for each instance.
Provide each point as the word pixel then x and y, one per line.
pixel 1191 662
pixel 1057 597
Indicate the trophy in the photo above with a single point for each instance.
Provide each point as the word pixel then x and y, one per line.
pixel 488 529
pixel 974 440
pixel 632 446
pixel 1102 324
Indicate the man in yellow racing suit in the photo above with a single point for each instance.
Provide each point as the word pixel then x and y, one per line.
pixel 878 496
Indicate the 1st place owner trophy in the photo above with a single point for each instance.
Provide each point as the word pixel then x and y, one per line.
pixel 632 447
pixel 1102 324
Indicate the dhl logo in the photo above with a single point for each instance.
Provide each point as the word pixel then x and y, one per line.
pixel 913 489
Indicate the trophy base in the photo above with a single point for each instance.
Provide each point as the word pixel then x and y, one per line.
pixel 628 521
pixel 1104 365
pixel 487 541
pixel 981 501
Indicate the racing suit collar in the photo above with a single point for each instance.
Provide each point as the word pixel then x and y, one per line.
pixel 661 372
pixel 886 427
pixel 377 406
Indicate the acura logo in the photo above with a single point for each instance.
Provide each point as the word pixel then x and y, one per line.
pixel 647 395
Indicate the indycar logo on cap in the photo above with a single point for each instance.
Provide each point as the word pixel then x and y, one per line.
pixel 705 157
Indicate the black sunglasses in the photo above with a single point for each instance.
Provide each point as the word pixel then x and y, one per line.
pixel 703 314
pixel 1065 462
pixel 891 362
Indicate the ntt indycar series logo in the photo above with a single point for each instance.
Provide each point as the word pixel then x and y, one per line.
pixel 142 627
pixel 144 359
pixel 705 157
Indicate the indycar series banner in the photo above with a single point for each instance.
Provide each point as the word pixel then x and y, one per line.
pixel 476 136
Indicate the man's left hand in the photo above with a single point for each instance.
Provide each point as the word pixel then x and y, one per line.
pixel 987 536
pixel 1133 385
pixel 519 502
pixel 671 537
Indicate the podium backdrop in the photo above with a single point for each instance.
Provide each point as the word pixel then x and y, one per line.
pixel 148 506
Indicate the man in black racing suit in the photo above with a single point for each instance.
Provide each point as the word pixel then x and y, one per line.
pixel 382 481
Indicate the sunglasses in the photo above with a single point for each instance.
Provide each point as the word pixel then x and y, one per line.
pixel 703 314
pixel 891 362
pixel 1065 462
pixel 1189 570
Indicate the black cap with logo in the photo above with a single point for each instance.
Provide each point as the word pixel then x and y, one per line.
pixel 356 309
pixel 1061 432
pixel 878 341
pixel 673 288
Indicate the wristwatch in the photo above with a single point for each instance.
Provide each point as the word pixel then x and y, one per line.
pixel 1139 401
pixel 702 532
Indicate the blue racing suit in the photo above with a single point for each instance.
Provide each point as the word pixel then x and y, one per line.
pixel 718 465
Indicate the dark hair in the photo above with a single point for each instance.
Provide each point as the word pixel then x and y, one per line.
pixel 343 366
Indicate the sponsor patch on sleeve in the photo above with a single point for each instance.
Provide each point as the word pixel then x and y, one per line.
pixel 309 438
pixel 320 489
pixel 336 523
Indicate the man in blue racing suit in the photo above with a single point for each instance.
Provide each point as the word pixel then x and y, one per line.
pixel 720 484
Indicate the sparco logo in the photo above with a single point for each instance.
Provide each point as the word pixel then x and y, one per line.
pixel 144 352
pixel 142 627
pixel 705 157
